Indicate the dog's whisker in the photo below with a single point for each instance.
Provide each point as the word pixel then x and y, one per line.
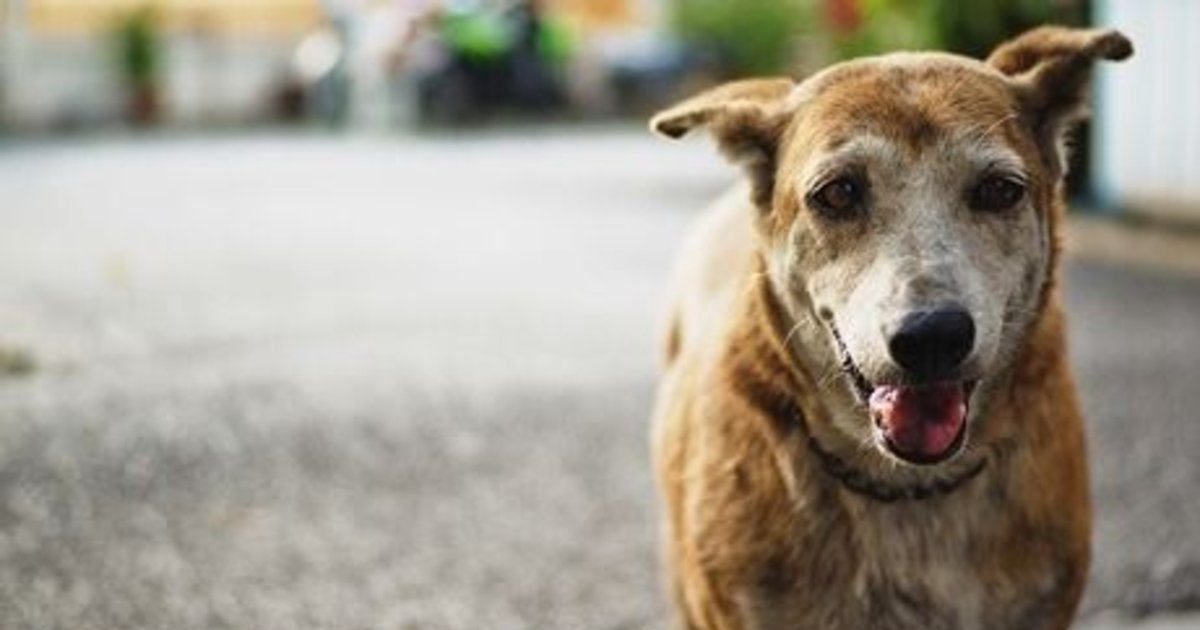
pixel 795 329
pixel 982 136
pixel 830 377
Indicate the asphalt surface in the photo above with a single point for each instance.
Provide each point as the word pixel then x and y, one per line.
pixel 325 382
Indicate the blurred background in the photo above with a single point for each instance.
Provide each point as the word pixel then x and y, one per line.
pixel 341 313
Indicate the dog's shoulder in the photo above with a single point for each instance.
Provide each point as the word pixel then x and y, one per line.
pixel 716 258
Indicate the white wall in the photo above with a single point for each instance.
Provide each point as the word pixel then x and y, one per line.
pixel 1148 115
pixel 62 80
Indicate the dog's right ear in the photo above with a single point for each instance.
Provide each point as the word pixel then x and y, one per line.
pixel 746 118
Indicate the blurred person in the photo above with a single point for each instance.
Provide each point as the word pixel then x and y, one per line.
pixel 414 52
pixel 381 95
pixel 358 68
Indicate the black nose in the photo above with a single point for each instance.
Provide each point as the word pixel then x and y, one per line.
pixel 929 344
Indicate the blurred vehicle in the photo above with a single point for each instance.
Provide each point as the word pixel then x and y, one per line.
pixel 505 60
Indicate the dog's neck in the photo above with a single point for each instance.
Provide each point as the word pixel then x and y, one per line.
pixel 862 483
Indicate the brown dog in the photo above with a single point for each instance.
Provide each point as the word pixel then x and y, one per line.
pixel 867 419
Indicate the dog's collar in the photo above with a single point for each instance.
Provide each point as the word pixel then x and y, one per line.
pixel 862 483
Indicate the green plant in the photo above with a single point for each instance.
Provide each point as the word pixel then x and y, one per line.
pixel 753 36
pixel 974 28
pixel 759 36
pixel 971 28
pixel 882 25
pixel 137 43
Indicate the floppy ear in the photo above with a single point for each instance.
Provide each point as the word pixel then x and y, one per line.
pixel 1051 67
pixel 746 118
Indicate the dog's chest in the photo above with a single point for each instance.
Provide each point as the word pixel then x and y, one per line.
pixel 907 570
pixel 917 570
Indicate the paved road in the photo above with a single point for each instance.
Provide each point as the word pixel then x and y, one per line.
pixel 311 382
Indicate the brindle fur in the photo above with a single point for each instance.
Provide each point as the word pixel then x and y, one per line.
pixel 759 534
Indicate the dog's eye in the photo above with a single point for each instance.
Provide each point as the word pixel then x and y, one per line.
pixel 996 193
pixel 840 198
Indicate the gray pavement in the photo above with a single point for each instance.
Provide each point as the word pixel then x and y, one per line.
pixel 324 382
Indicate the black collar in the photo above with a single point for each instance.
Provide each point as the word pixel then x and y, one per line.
pixel 860 482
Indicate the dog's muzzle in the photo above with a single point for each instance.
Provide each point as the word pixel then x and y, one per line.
pixel 919 421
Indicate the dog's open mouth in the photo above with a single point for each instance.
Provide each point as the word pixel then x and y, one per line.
pixel 923 423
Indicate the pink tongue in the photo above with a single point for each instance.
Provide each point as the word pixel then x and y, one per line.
pixel 920 421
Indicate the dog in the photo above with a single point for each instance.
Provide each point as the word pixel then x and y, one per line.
pixel 866 417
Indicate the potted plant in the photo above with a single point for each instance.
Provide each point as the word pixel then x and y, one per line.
pixel 139 58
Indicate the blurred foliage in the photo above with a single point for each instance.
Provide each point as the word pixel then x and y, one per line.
pixel 489 35
pixel 477 35
pixel 974 28
pixel 760 36
pixel 555 41
pixel 752 36
pixel 138 47
pixel 867 27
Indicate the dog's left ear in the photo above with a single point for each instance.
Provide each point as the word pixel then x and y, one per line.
pixel 746 118
pixel 1051 68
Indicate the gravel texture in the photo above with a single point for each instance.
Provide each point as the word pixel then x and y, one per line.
pixel 321 382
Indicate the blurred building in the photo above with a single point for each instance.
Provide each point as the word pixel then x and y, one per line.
pixel 230 61
pixel 1148 131
pixel 219 58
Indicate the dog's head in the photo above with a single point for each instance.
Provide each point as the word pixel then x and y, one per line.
pixel 906 208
